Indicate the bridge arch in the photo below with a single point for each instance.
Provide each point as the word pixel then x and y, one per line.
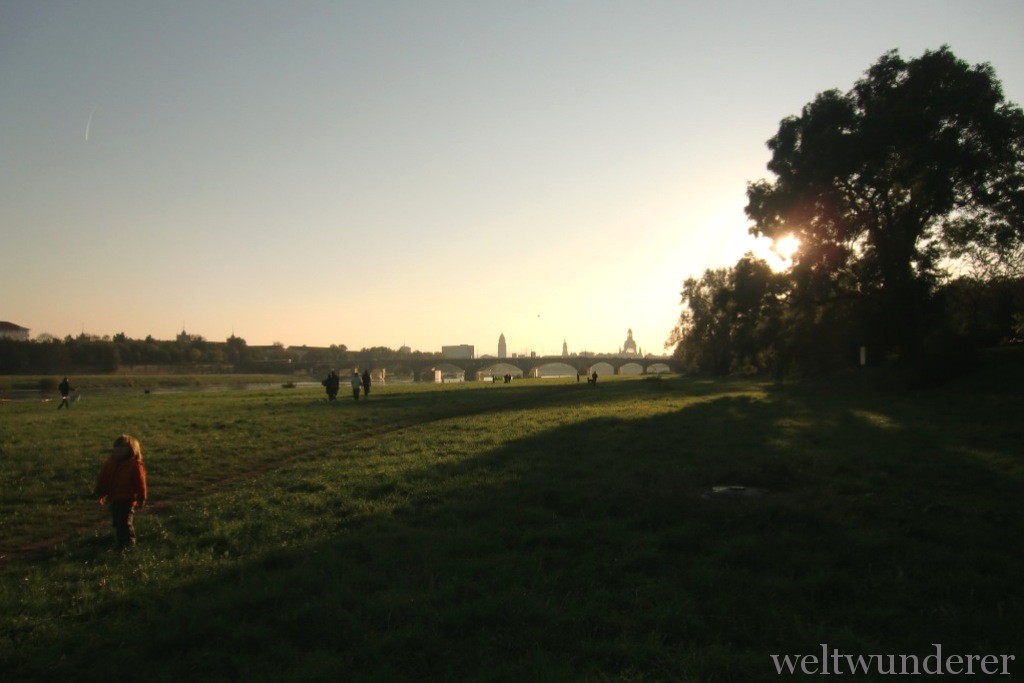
pixel 443 372
pixel 499 369
pixel 554 369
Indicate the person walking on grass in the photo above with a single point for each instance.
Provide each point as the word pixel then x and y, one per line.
pixel 357 384
pixel 65 389
pixel 331 384
pixel 366 383
pixel 122 484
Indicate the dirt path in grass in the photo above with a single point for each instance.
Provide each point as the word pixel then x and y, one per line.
pixel 45 547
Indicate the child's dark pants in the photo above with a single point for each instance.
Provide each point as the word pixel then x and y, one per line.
pixel 122 514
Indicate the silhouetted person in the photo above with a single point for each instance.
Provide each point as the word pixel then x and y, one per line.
pixel 592 379
pixel 331 385
pixel 357 384
pixel 366 383
pixel 65 389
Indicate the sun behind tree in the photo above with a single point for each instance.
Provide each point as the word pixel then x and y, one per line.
pixel 923 160
pixel 786 247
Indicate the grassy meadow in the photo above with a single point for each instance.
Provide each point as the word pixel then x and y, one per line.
pixel 543 530
pixel 85 384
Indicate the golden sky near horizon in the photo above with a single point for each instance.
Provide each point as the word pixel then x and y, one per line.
pixel 401 173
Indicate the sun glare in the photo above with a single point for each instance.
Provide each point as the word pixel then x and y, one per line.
pixel 778 254
pixel 786 246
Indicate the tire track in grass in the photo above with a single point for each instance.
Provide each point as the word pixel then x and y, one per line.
pixel 46 547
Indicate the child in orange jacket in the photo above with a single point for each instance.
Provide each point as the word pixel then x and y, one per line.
pixel 122 483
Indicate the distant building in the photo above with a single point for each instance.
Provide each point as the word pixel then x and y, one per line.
pixel 565 349
pixel 459 351
pixel 12 331
pixel 629 347
pixel 185 337
pixel 502 349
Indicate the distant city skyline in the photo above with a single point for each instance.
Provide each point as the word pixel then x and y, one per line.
pixel 500 347
pixel 405 173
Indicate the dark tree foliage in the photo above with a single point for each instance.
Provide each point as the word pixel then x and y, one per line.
pixel 919 162
pixel 731 317
pixel 91 354
pixel 983 313
pixel 87 353
pixel 701 337
pixel 236 351
pixel 917 169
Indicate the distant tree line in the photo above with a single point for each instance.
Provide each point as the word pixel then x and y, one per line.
pixel 907 197
pixel 91 353
pixel 87 353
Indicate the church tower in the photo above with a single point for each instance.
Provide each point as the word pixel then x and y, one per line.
pixel 629 347
pixel 565 349
pixel 502 350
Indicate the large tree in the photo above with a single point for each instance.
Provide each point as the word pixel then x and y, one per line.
pixel 731 319
pixel 923 160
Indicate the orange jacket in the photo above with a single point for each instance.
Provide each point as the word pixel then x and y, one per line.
pixel 122 480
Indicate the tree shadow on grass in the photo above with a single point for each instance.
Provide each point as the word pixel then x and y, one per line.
pixel 194 467
pixel 598 550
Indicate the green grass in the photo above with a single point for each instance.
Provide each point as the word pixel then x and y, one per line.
pixel 542 530
pixel 140 381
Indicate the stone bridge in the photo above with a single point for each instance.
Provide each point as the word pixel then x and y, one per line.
pixel 426 368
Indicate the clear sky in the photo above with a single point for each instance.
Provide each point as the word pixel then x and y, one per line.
pixel 424 173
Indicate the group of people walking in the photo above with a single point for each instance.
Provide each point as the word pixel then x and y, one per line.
pixel 122 481
pixel 360 383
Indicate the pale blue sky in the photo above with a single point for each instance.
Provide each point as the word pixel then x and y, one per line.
pixel 421 173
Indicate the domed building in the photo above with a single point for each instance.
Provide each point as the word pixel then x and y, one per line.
pixel 629 347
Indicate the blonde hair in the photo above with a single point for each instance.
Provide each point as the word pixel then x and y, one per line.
pixel 132 443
